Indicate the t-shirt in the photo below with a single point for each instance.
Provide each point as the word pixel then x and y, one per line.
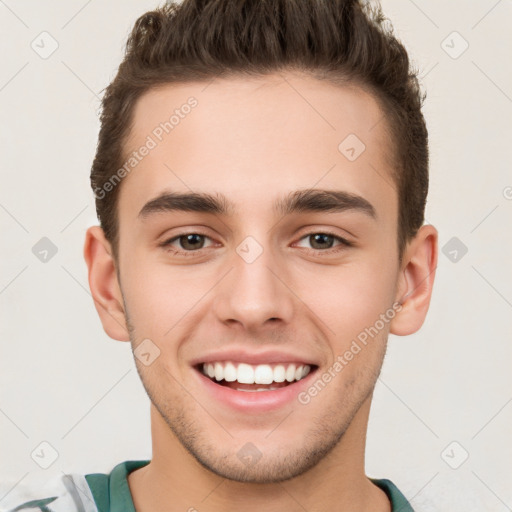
pixel 100 492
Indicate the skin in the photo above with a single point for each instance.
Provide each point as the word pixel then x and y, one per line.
pixel 256 140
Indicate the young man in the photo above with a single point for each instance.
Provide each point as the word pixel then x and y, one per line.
pixel 260 180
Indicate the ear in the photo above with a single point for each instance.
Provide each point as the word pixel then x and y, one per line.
pixel 415 282
pixel 104 284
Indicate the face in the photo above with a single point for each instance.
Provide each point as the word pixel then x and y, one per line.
pixel 266 273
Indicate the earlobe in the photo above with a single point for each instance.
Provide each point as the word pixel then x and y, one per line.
pixel 104 284
pixel 416 282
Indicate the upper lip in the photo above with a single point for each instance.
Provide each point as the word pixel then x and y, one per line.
pixel 255 358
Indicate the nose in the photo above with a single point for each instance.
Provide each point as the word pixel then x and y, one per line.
pixel 254 293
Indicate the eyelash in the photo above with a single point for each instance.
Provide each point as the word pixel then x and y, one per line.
pixel 344 244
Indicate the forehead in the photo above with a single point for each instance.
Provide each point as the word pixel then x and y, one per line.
pixel 256 139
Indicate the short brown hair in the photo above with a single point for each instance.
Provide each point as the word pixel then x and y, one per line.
pixel 343 41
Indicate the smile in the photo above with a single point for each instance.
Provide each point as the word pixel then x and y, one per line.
pixel 261 377
pixel 254 388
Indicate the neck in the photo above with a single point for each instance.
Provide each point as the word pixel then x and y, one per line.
pixel 175 481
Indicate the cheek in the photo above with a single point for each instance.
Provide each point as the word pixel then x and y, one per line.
pixel 350 299
pixel 158 296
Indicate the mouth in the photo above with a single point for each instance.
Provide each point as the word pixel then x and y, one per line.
pixel 255 378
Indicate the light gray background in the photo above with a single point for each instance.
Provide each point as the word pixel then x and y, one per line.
pixel 65 382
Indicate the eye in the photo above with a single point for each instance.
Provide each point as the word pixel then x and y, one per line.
pixel 187 243
pixel 324 242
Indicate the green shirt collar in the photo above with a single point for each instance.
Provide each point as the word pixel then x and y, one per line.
pixel 120 496
pixel 113 495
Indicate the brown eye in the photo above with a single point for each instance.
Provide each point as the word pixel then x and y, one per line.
pixel 186 244
pixel 191 241
pixel 321 241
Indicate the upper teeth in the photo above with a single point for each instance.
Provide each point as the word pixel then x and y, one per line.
pixel 255 374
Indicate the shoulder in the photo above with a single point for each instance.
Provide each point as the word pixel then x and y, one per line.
pixel 92 492
pixel 67 493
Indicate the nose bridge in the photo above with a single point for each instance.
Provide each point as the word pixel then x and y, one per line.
pixel 254 291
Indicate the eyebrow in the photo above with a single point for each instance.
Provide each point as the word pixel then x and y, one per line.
pixel 307 200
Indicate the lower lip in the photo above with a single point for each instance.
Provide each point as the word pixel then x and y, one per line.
pixel 255 401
